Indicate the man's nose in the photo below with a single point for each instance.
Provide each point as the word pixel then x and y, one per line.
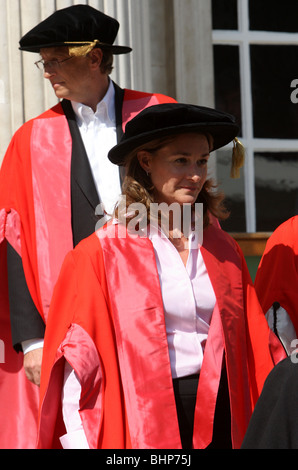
pixel 49 70
pixel 48 73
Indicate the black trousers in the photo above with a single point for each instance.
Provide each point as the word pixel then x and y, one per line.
pixel 185 389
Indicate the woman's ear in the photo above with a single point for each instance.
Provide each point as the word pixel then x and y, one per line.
pixel 145 159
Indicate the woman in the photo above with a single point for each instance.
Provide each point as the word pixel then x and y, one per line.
pixel 157 340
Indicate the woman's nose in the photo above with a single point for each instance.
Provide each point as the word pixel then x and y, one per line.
pixel 195 178
pixel 195 173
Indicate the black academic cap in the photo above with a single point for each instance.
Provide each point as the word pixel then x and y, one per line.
pixel 78 25
pixel 169 119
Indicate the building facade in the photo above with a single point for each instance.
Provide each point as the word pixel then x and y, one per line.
pixel 223 53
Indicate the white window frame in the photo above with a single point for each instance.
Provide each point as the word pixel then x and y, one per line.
pixel 244 38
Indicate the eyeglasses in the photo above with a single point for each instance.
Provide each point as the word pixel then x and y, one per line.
pixel 50 64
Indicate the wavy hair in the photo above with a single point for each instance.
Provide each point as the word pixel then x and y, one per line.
pixel 137 187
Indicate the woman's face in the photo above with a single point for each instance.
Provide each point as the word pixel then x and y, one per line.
pixel 179 169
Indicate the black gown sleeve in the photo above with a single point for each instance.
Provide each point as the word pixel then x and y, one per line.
pixel 26 322
pixel 274 423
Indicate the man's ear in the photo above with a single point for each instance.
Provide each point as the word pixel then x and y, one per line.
pixel 96 56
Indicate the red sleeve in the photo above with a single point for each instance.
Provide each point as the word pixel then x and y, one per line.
pixel 80 330
pixel 18 396
pixel 261 358
pixel 277 275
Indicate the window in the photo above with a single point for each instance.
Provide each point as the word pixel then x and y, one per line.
pixel 256 79
pixel 225 15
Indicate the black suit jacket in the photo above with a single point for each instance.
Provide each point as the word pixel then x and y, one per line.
pixel 26 322
pixel 84 196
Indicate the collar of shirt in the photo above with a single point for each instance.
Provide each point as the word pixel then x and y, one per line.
pixel 105 111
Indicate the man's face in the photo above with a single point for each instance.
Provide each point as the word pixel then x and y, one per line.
pixel 70 77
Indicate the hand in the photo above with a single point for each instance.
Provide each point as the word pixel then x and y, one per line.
pixel 32 365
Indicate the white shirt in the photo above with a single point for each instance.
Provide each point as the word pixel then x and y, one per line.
pixel 188 299
pixel 98 131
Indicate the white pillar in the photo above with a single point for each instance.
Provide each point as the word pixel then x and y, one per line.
pixel 5 111
pixel 162 42
pixel 133 70
pixel 194 56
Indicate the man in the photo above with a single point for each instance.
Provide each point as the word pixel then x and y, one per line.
pixel 53 178
pixel 276 283
pixel 274 421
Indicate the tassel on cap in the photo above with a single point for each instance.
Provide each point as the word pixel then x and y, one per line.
pixel 82 49
pixel 238 158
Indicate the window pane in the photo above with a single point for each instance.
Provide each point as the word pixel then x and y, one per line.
pixel 233 190
pixel 274 15
pixel 227 80
pixel 225 14
pixel 273 68
pixel 276 189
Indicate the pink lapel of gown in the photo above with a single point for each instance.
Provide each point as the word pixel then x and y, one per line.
pixel 227 334
pixel 141 339
pixel 142 344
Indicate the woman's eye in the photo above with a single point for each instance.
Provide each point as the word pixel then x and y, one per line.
pixel 181 160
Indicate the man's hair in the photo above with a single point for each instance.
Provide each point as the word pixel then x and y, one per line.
pixel 106 65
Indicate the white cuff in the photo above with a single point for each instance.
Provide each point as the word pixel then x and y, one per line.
pixel 74 440
pixel 32 344
pixel 284 328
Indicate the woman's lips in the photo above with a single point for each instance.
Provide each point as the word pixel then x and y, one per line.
pixel 190 188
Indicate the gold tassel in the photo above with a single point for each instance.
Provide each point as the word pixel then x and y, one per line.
pixel 82 50
pixel 238 158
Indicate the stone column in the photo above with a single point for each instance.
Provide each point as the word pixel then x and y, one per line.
pixel 5 112
pixel 194 57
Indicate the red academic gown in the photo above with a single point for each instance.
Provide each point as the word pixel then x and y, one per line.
pixel 35 218
pixel 107 321
pixel 277 275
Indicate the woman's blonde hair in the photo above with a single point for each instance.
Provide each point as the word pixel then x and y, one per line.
pixel 137 186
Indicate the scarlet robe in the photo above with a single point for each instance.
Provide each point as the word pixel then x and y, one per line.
pixel 277 275
pixel 36 219
pixel 107 320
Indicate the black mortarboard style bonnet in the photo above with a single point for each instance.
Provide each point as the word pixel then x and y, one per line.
pixel 168 119
pixel 78 25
